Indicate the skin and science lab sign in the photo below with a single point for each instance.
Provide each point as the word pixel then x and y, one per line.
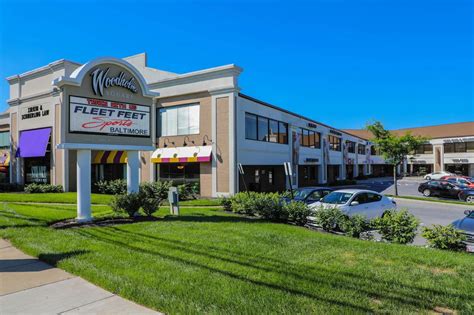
pixel 97 116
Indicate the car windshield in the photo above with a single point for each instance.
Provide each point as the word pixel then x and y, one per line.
pixel 302 193
pixel 337 198
pixel 471 215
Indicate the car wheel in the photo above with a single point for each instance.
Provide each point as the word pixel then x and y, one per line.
pixel 470 199
pixel 428 177
pixel 426 192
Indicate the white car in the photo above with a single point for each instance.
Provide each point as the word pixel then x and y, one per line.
pixel 437 175
pixel 368 203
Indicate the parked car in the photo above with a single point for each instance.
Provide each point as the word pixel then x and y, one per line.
pixel 437 175
pixel 309 195
pixel 467 195
pixel 368 203
pixel 460 180
pixel 440 188
pixel 466 225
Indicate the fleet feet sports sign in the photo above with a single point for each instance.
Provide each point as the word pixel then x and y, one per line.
pixel 90 115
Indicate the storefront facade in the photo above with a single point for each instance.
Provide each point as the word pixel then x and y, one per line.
pixel 114 115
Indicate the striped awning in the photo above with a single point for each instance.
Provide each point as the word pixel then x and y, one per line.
pixel 4 158
pixel 182 154
pixel 110 157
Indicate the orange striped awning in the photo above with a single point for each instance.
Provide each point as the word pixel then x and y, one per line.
pixel 4 158
pixel 110 157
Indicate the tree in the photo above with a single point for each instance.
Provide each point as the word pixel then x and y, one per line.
pixel 393 148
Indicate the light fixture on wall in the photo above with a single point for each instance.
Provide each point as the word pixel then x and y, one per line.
pixel 180 167
pixel 185 143
pixel 164 142
pixel 204 140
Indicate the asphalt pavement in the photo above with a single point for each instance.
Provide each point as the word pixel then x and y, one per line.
pixel 406 187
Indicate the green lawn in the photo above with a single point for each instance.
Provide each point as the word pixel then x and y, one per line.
pixel 70 197
pixel 67 197
pixel 209 261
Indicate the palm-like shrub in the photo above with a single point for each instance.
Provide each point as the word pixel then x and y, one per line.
pixel 298 212
pixel 128 203
pixel 444 237
pixel 397 226
pixel 328 218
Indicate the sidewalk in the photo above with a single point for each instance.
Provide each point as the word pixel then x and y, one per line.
pixel 29 286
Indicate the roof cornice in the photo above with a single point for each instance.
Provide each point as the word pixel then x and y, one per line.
pixel 55 65
pixel 222 71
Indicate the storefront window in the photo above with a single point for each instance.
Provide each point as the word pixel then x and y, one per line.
pixel 309 138
pixel 265 129
pixel 180 173
pixel 424 149
pixel 273 131
pixel 449 148
pixel 37 170
pixel 282 133
pixel 350 146
pixel 460 147
pixel 334 143
pixel 470 146
pixel 179 120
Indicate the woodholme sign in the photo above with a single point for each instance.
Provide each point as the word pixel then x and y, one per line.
pixel 96 116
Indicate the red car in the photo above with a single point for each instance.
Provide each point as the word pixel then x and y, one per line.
pixel 460 180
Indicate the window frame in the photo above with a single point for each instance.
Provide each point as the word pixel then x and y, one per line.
pixel 336 145
pixel 159 123
pixel 279 124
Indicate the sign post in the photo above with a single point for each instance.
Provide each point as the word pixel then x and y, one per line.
pixel 289 174
pixel 242 173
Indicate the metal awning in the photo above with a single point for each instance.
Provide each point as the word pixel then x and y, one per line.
pixel 182 154
pixel 33 143
pixel 110 157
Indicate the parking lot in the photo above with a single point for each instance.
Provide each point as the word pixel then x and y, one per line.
pixel 406 187
pixel 428 212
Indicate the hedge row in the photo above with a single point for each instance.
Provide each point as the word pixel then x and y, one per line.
pixel 119 187
pixel 269 206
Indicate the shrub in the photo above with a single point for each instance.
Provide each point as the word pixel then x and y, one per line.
pixel 270 206
pixel 444 237
pixel 43 188
pixel 188 191
pixel 244 203
pixel 328 218
pixel 112 187
pixel 298 212
pixel 397 226
pixel 355 225
pixel 150 205
pixel 226 203
pixel 129 203
pixel 155 190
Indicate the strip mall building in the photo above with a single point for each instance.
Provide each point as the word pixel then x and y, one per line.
pixel 118 118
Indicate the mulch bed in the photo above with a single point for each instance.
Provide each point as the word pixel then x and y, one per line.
pixel 72 223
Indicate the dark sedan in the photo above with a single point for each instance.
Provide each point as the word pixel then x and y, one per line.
pixel 440 188
pixel 466 225
pixel 467 195
pixel 309 195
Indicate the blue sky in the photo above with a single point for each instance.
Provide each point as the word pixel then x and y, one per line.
pixel 405 63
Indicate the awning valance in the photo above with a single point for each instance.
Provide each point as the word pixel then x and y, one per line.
pixel 110 157
pixel 33 143
pixel 4 158
pixel 182 154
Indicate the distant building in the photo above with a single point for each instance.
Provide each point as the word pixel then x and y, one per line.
pixel 450 148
